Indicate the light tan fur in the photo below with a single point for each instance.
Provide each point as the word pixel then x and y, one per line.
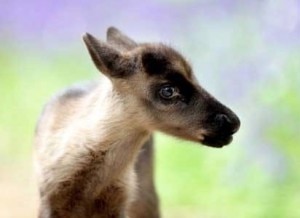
pixel 62 150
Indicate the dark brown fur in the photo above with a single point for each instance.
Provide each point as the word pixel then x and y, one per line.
pixel 146 204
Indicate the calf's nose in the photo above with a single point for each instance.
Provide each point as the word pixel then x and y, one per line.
pixel 227 124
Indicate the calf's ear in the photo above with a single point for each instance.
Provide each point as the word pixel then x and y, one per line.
pixel 106 58
pixel 118 39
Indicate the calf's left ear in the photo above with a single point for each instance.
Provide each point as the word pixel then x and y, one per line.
pixel 118 39
pixel 107 59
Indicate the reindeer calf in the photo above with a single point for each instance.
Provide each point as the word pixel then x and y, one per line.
pixel 88 139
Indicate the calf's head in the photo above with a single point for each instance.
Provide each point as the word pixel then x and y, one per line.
pixel 159 89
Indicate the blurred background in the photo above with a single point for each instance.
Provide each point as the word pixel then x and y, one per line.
pixel 246 53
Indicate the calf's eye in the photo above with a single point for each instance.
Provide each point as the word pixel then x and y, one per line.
pixel 168 92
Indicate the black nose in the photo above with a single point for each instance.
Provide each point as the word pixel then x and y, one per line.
pixel 227 124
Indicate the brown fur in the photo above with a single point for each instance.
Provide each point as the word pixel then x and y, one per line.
pixel 94 142
pixel 146 203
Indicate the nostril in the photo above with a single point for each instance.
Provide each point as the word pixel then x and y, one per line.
pixel 222 120
pixel 226 124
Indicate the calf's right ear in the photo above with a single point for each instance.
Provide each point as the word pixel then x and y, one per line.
pixel 107 59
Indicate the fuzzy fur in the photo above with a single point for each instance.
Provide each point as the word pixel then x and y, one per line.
pixel 93 142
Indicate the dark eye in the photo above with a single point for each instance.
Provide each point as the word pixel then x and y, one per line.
pixel 168 92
